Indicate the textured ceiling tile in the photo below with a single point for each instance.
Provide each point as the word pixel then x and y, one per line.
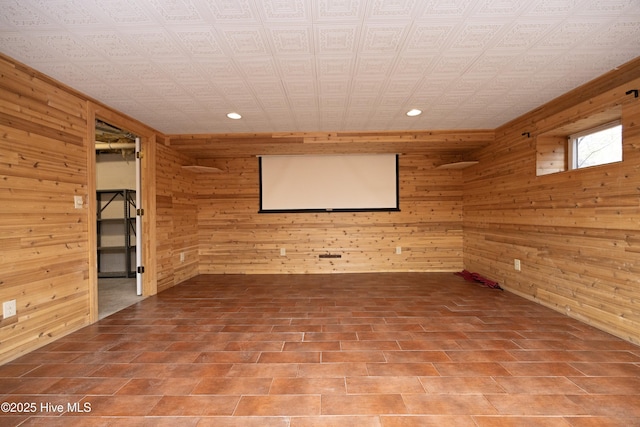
pixel 300 89
pixel 626 32
pixel 452 64
pixel 304 102
pixel 122 88
pixel 284 10
pixel 68 47
pixel 393 99
pixel 21 14
pixel 374 65
pixel 448 8
pixel 249 41
pixel 335 66
pixel 68 12
pixel 16 44
pixel 204 91
pixel 334 87
pixel 232 11
pixel 108 72
pixel 475 36
pixel 109 44
pixel 166 90
pixel 296 67
pixel 336 39
pixel 117 94
pixel 369 87
pixel 275 103
pixel 501 8
pixel 339 9
pixel 142 70
pixel 199 42
pixel 124 12
pixel 176 11
pixel 219 68
pixel 182 64
pixel 433 85
pixel 401 87
pixel 552 7
pixel 429 38
pixel 393 8
pixel 258 68
pixel 248 106
pixel 333 102
pixel 238 91
pixel 411 66
pixel 269 89
pixel 361 102
pixel 290 40
pixel 180 70
pixel 491 63
pixel 84 78
pixel 152 43
pixel 523 35
pixel 382 38
pixel 605 6
pixel 567 35
pixel 531 62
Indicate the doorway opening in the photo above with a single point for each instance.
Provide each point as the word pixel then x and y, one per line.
pixel 118 222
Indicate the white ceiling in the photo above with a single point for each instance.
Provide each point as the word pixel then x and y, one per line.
pixel 321 65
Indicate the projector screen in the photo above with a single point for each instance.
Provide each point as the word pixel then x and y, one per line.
pixel 353 182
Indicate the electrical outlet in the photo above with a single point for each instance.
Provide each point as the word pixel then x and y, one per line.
pixel 78 202
pixel 9 308
pixel 398 250
pixel 181 256
pixel 283 252
pixel 516 264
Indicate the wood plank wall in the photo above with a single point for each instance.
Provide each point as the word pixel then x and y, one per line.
pixel 44 255
pixel 577 233
pixel 234 238
pixel 176 219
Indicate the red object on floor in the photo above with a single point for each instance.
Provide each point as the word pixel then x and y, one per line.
pixel 475 277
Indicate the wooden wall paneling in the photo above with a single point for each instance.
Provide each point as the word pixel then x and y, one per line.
pixel 176 212
pixel 551 154
pixel 575 232
pixel 44 249
pixel 92 215
pixel 235 238
pixel 217 146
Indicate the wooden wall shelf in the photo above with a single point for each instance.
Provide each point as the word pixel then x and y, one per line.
pixel 201 169
pixel 457 165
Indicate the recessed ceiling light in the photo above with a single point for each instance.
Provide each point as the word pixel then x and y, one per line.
pixel 234 116
pixel 414 112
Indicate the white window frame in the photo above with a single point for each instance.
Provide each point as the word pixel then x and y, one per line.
pixel 573 144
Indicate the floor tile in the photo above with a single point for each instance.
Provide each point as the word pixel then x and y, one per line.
pixel 379 350
pixel 448 404
pixel 363 404
pixel 308 386
pixel 383 385
pixel 194 405
pixel 278 405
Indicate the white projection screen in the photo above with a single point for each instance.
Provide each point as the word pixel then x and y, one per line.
pixel 347 182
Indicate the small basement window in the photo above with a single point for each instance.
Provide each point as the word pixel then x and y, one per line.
pixel 596 146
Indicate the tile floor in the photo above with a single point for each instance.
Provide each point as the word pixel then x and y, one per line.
pixel 384 350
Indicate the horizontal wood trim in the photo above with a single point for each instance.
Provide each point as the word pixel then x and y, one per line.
pixel 247 145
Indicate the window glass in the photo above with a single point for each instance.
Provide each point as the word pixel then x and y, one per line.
pixel 596 146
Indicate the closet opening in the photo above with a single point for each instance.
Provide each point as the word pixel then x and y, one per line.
pixel 118 223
